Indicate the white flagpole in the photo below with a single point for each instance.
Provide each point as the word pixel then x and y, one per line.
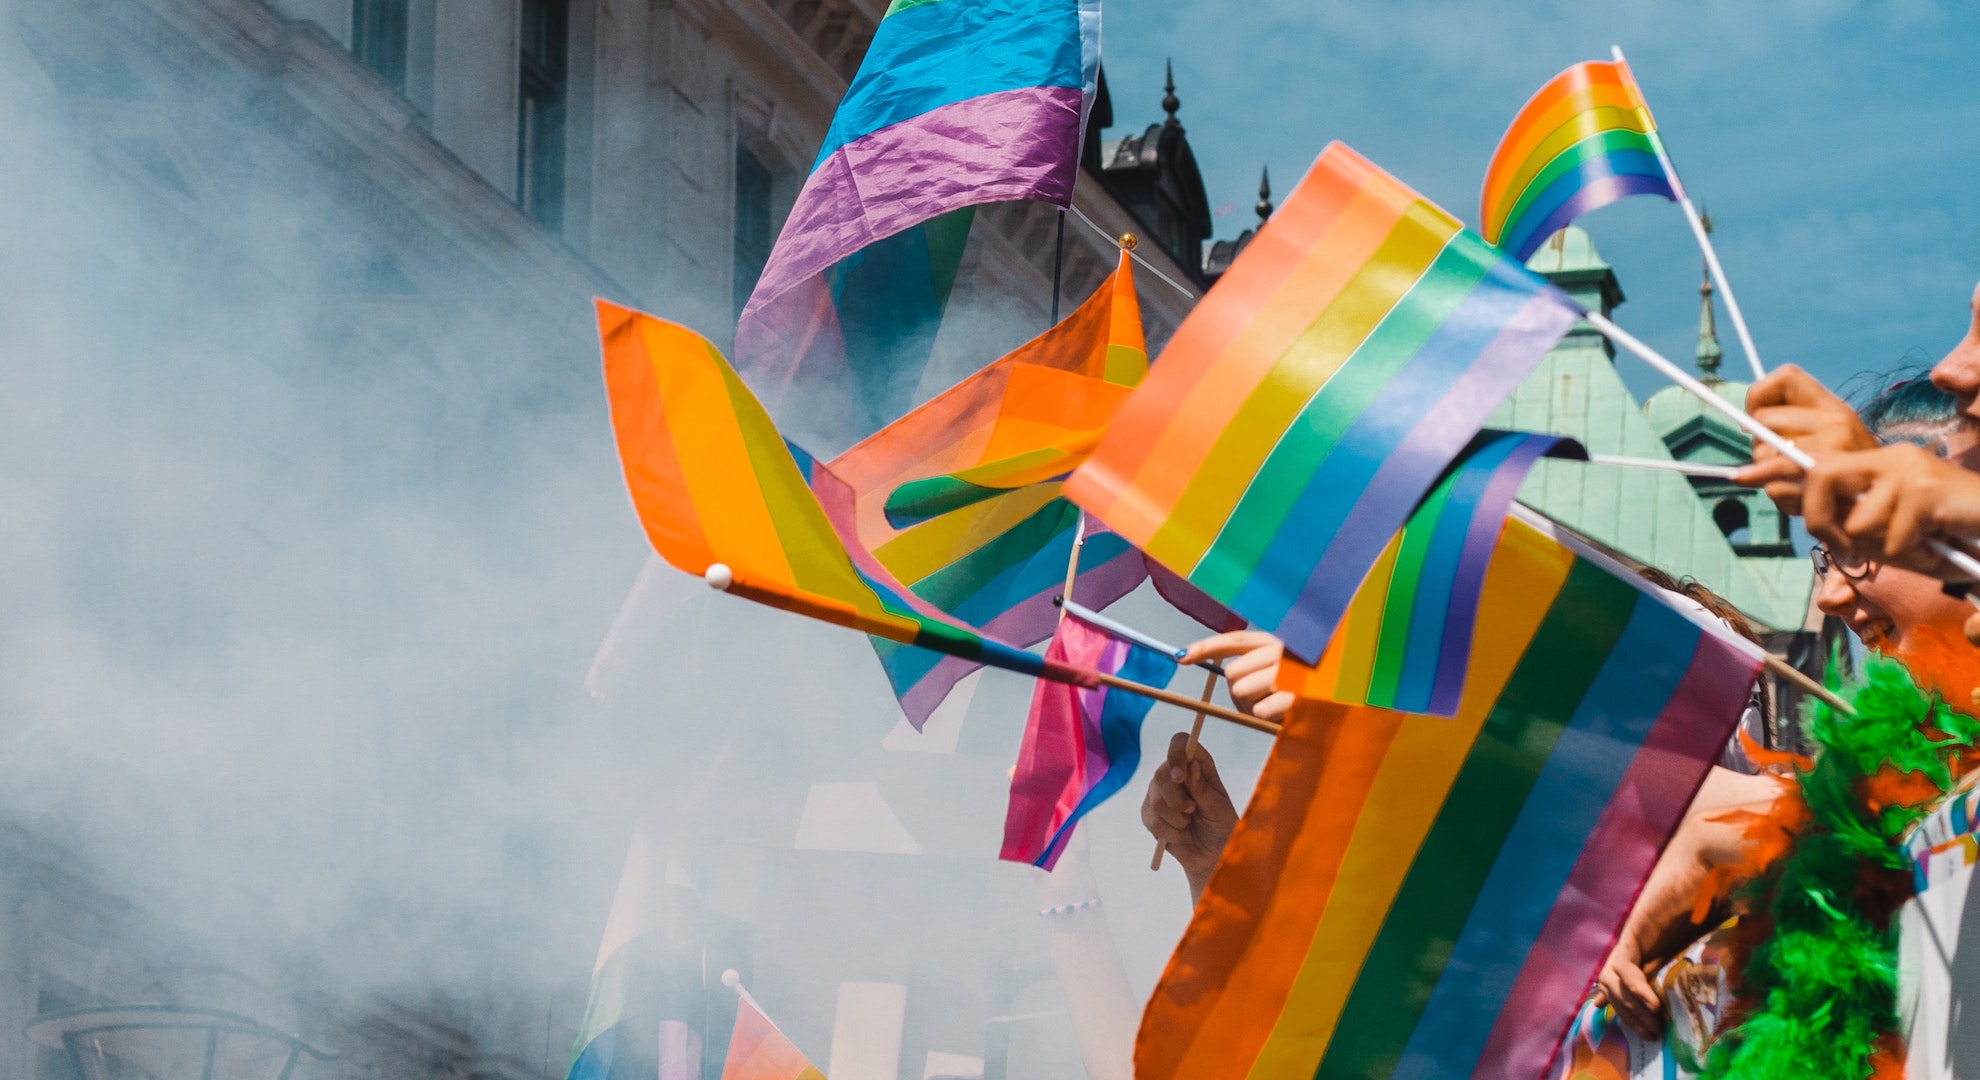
pixel 1704 243
pixel 1688 468
pixel 1960 559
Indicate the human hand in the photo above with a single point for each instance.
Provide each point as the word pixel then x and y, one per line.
pixel 1625 987
pixel 1792 403
pixel 1188 809
pixel 1251 664
pixel 1885 504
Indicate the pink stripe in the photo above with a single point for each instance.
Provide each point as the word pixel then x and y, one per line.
pixel 1615 861
pixel 1000 147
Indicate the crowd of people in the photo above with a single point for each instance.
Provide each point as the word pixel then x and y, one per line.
pixel 1894 483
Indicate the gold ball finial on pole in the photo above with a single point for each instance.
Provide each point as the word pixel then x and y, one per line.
pixel 1129 241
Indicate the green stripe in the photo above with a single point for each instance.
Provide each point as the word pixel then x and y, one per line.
pixel 899 6
pixel 1318 426
pixel 955 583
pixel 1401 600
pixel 1401 969
pixel 918 500
pixel 1600 144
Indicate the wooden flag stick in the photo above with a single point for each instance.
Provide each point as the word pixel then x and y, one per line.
pixel 1189 754
pixel 1180 701
pixel 1072 561
pixel 1808 686
pixel 1704 238
pixel 1962 560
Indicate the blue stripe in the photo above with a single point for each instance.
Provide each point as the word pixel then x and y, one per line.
pixel 1595 749
pixel 940 54
pixel 1542 210
pixel 1440 564
pixel 1311 530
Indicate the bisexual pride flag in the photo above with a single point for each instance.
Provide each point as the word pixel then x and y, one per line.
pixel 958 103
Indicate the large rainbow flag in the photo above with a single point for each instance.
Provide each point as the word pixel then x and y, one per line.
pixel 960 499
pixel 713 483
pixel 1406 640
pixel 1312 398
pixel 1585 140
pixel 1411 896
pixel 957 103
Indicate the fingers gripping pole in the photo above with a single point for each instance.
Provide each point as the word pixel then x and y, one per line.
pixel 1961 560
pixel 1189 754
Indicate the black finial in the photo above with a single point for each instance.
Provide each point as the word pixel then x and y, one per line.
pixel 1264 206
pixel 1170 103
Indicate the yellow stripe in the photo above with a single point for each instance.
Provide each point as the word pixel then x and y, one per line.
pixel 1572 130
pixel 942 540
pixel 1526 573
pixel 1363 628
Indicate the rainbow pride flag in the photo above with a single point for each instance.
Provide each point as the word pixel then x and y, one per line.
pixel 1585 140
pixel 713 483
pixel 960 499
pixel 1313 397
pixel 1406 640
pixel 957 103
pixel 1080 745
pixel 759 1051
pixel 645 1018
pixel 1411 896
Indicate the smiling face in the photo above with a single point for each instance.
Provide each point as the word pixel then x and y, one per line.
pixel 1885 606
pixel 1959 373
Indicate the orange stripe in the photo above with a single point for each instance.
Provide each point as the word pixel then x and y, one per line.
pixel 646 452
pixel 1526 131
pixel 1604 108
pixel 1339 216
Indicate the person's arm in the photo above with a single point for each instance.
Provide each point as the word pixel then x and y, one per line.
pixel 1188 808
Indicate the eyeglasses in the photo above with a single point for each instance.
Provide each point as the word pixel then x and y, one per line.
pixel 1851 567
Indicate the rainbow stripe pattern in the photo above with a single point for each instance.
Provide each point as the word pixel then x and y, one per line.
pixel 1313 397
pixel 1406 640
pixel 1410 896
pixel 644 1017
pixel 713 482
pixel 960 498
pixel 1585 140
pixel 957 103
pixel 1081 745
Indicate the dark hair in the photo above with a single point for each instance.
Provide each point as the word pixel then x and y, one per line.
pixel 1909 408
pixel 1705 598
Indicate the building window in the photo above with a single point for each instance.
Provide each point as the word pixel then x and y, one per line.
pixel 540 117
pixel 752 223
pixel 378 37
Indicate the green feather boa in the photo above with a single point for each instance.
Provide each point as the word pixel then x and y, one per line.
pixel 1822 984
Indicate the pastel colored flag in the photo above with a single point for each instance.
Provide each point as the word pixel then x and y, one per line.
pixel 1406 641
pixel 713 483
pixel 758 1051
pixel 957 103
pixel 1312 398
pixel 1585 140
pixel 646 1014
pixel 1413 896
pixel 1080 745
pixel 960 500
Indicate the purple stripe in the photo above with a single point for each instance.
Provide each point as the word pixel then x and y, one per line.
pixel 1598 193
pixel 1480 540
pixel 1398 484
pixel 999 147
pixel 1026 623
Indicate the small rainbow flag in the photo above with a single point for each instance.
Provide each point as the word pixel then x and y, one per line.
pixel 1080 745
pixel 713 483
pixel 1406 640
pixel 960 501
pixel 644 1019
pixel 1584 141
pixel 956 104
pixel 759 1051
pixel 1312 398
pixel 1411 896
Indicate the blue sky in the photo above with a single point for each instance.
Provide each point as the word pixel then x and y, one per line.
pixel 1836 143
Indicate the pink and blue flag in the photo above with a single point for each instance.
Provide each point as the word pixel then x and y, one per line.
pixel 1080 745
pixel 957 103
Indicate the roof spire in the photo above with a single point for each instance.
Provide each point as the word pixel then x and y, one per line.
pixel 1170 103
pixel 1708 352
pixel 1264 206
